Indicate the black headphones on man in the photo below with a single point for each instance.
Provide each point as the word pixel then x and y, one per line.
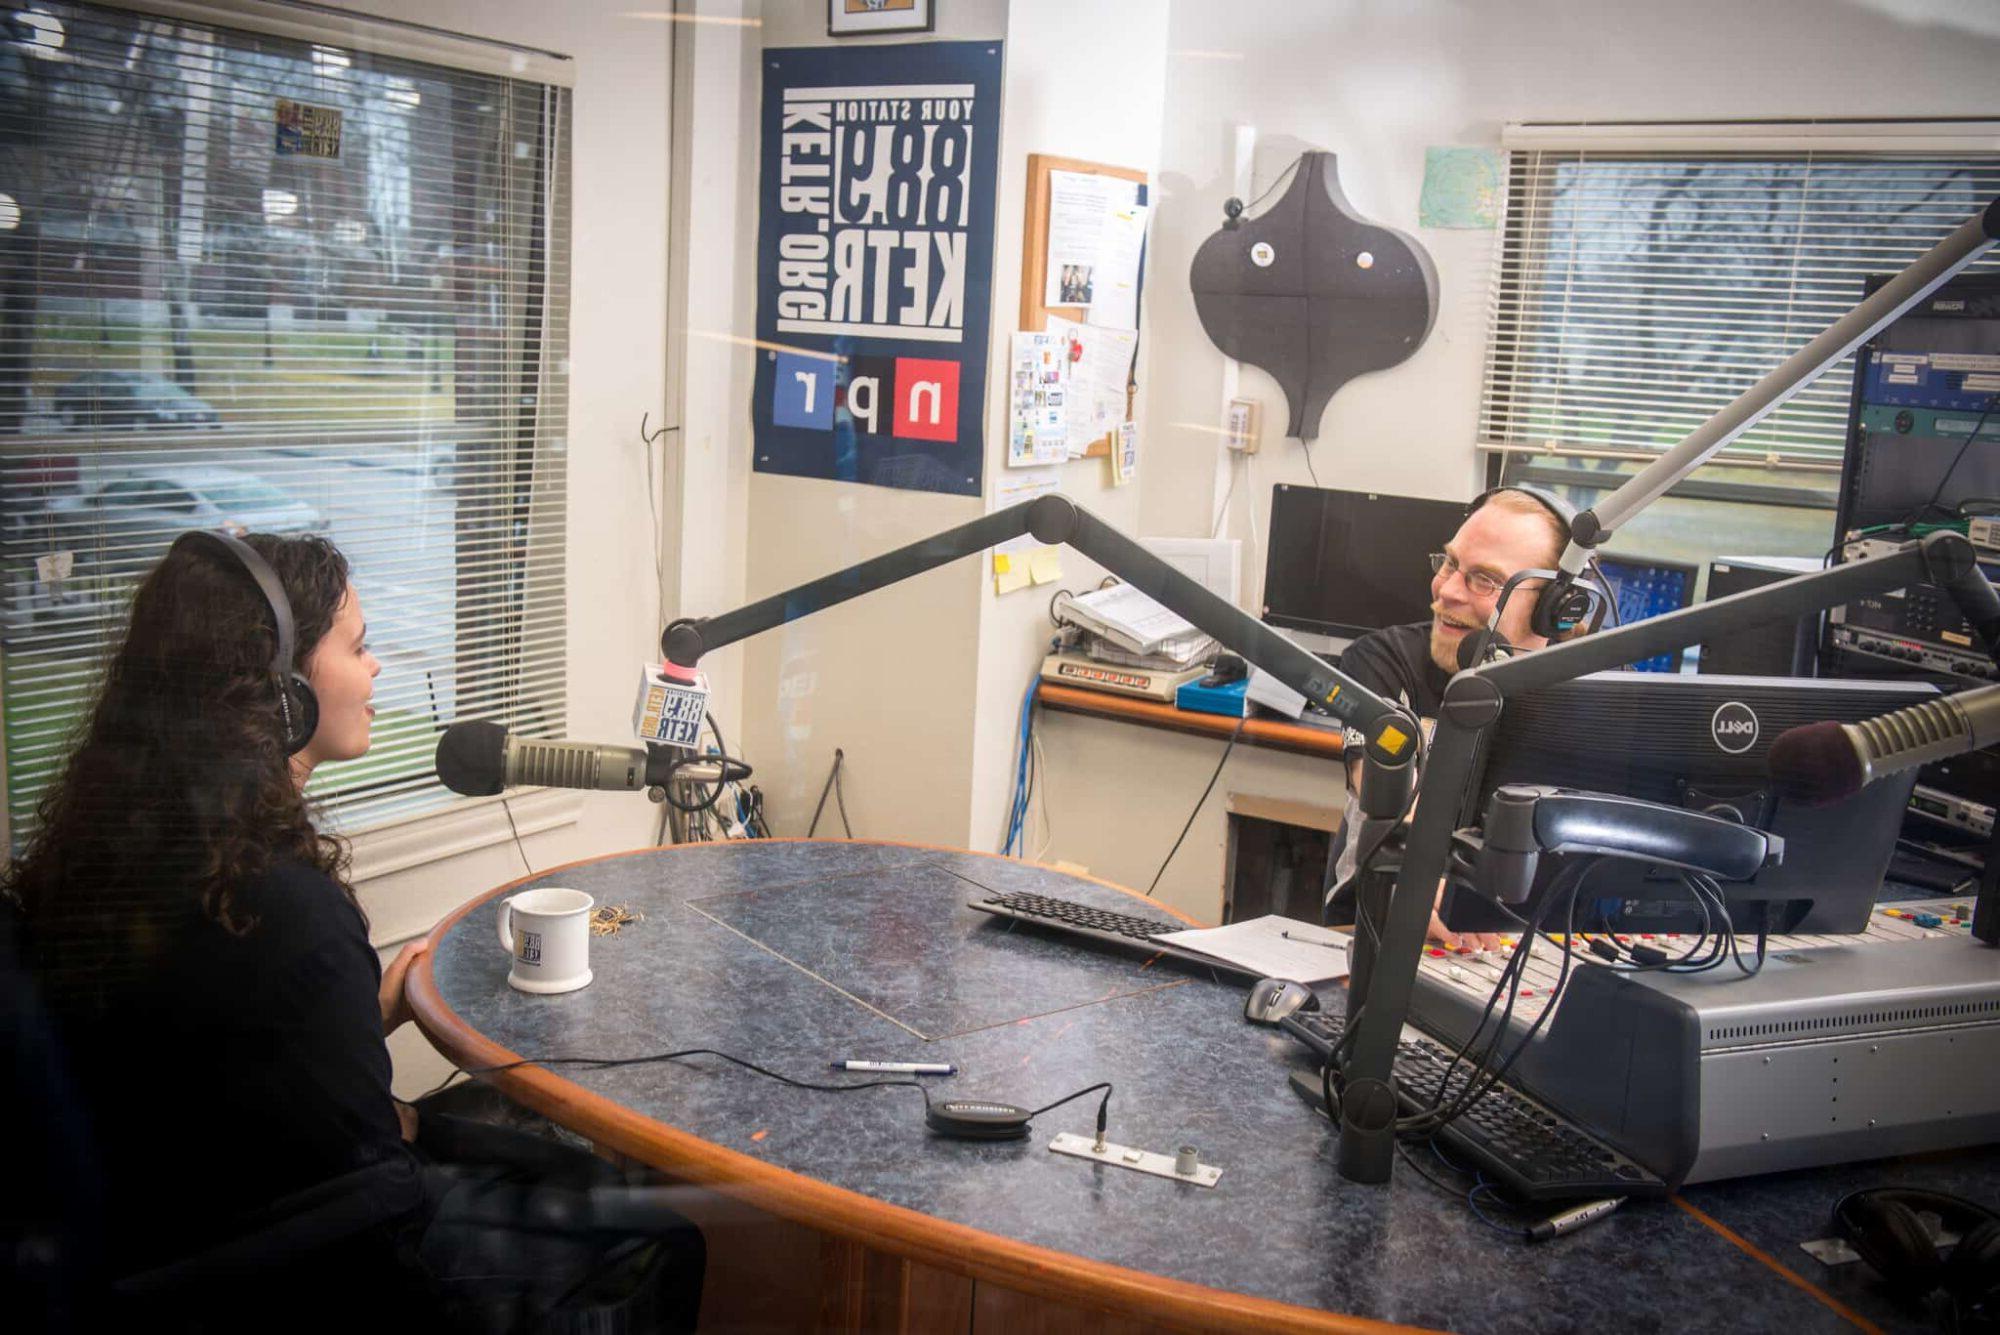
pixel 1883 1227
pixel 298 707
pixel 1563 605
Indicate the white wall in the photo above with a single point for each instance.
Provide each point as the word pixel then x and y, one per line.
pixel 1066 98
pixel 917 683
pixel 618 358
pixel 883 678
pixel 1378 81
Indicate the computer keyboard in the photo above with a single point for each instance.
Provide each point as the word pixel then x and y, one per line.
pixel 1103 927
pixel 1528 1150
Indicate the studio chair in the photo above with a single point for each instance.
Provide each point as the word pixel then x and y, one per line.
pixel 305 1261
pixel 532 1233
pixel 446 1248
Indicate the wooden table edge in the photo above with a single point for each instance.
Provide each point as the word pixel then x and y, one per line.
pixel 950 1246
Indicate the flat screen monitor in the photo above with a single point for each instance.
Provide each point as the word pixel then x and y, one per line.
pixel 1778 648
pixel 1343 563
pixel 1702 742
pixel 1649 588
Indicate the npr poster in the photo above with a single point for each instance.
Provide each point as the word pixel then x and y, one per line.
pixel 875 262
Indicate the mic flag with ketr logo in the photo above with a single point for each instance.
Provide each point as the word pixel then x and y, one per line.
pixel 875 262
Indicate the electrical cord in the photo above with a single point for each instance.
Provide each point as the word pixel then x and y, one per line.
pixel 1222 511
pixel 1201 801
pixel 1726 947
pixel 1992 401
pixel 1281 178
pixel 1447 1107
pixel 1472 1199
pixel 729 770
pixel 515 830
pixel 608 1063
pixel 1014 840
pixel 832 786
pixel 1055 600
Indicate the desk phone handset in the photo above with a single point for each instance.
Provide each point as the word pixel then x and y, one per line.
pixel 1524 821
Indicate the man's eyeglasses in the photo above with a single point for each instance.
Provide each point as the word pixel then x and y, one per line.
pixel 1482 584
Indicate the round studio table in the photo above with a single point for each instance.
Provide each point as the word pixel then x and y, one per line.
pixel 796 953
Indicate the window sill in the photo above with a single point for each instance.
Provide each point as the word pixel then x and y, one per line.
pixel 465 827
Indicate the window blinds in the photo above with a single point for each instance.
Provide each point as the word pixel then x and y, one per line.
pixel 251 281
pixel 1638 291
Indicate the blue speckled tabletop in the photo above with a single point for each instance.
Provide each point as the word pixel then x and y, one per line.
pixel 793 954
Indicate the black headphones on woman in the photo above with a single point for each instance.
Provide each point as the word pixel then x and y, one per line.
pixel 298 707
pixel 1882 1226
pixel 1562 605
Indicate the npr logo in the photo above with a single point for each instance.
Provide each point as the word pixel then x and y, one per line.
pixel 912 397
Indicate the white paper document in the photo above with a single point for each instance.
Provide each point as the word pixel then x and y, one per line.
pixel 1038 423
pixel 1114 285
pixel 1079 203
pixel 1100 372
pixel 1127 617
pixel 1310 954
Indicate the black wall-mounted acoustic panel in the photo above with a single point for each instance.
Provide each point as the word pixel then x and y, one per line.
pixel 1313 294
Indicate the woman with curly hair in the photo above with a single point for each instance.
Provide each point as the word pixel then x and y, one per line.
pixel 192 935
pixel 215 1014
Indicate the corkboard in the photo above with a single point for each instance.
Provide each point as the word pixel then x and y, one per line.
pixel 1035 254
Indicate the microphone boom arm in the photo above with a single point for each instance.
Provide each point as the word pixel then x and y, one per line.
pixel 1965 244
pixel 1053 520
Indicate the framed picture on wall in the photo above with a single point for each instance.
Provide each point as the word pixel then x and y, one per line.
pixel 857 18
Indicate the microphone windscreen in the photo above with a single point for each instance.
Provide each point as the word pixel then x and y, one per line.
pixel 1476 646
pixel 1816 764
pixel 471 758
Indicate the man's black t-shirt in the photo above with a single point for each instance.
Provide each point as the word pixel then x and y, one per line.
pixel 1395 663
pixel 228 1071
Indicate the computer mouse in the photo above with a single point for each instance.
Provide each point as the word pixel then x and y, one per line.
pixel 1272 999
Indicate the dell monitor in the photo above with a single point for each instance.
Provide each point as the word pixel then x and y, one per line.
pixel 1700 742
pixel 1343 563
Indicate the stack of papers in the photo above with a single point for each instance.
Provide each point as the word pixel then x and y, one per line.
pixel 1172 654
pixel 1128 618
pixel 1270 946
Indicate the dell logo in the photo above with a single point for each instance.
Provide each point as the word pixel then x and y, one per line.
pixel 1734 727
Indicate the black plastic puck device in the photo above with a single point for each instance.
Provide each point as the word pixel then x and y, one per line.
pixel 976 1119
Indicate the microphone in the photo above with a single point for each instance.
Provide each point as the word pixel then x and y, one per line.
pixel 1480 647
pixel 478 758
pixel 1819 764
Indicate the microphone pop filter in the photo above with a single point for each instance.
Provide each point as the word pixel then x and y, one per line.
pixel 471 758
pixel 1475 647
pixel 1816 764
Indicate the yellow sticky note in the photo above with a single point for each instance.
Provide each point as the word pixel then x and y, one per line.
pixel 1002 563
pixel 1046 565
pixel 1016 578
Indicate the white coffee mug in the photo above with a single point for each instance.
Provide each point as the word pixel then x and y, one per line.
pixel 547 931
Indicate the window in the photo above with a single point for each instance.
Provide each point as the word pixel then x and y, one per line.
pixel 255 282
pixel 1649 275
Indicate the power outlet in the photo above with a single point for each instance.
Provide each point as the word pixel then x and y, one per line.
pixel 1243 424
